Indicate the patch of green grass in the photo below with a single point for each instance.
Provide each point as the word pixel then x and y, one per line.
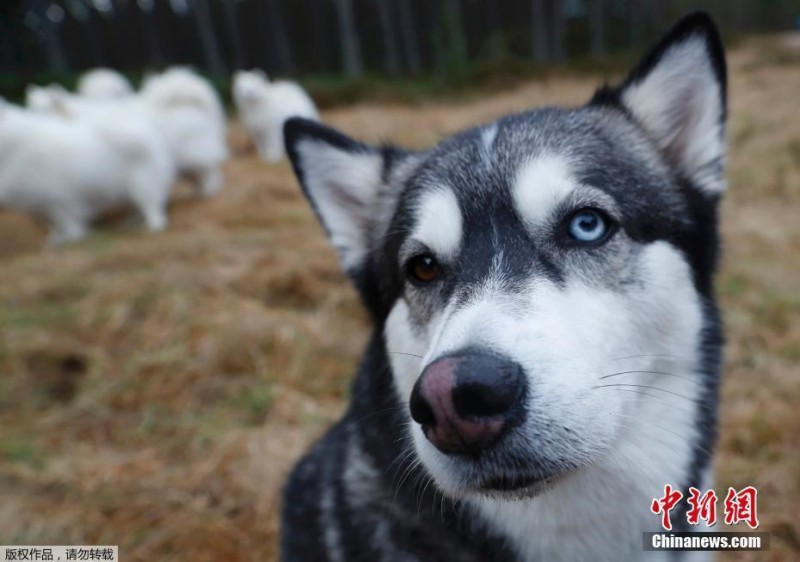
pixel 152 419
pixel 777 55
pixel 253 403
pixel 734 286
pixel 790 352
pixel 21 451
pixel 54 313
pixel 746 130
pixel 793 148
pixel 776 312
pixel 169 356
pixel 784 531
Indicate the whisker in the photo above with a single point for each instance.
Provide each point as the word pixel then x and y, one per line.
pixel 404 353
pixel 400 459
pixel 395 408
pixel 670 446
pixel 421 496
pixel 623 460
pixel 655 397
pixel 644 355
pixel 664 429
pixel 651 373
pixel 406 474
pixel 648 387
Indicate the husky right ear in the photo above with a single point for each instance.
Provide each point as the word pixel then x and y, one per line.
pixel 677 93
pixel 347 185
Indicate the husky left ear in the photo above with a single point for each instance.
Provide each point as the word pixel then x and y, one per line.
pixel 347 185
pixel 677 93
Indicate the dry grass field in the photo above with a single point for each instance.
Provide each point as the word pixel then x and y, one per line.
pixel 156 388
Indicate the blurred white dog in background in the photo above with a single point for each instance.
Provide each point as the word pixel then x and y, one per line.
pixel 104 83
pixel 67 171
pixel 180 105
pixel 263 106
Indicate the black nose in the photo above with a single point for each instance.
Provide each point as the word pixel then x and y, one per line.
pixel 466 401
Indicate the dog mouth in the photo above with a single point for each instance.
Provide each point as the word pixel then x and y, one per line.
pixel 516 484
pixel 505 478
pixel 509 483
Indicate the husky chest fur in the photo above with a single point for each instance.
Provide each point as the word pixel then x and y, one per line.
pixel 546 346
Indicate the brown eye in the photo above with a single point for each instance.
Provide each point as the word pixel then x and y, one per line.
pixel 423 268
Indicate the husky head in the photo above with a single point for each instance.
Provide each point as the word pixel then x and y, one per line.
pixel 518 267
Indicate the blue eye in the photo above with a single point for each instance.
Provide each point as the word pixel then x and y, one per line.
pixel 587 226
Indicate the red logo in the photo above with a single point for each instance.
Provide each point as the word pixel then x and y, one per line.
pixel 665 504
pixel 740 507
pixel 702 507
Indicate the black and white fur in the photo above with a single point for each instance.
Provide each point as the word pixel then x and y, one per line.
pixel 619 342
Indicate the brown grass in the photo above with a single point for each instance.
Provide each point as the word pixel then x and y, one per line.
pixel 155 389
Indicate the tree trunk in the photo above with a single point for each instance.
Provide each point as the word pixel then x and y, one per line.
pixel 636 22
pixel 8 50
pixel 51 40
pixel 391 57
pixel 208 39
pixel 234 33
pixel 539 31
pixel 409 36
pixel 495 37
pixel 10 14
pixel 91 34
pixel 663 12
pixel 320 43
pixel 17 38
pixel 351 48
pixel 151 37
pixel 438 43
pixel 739 15
pixel 557 30
pixel 597 20
pixel 279 40
pixel 454 29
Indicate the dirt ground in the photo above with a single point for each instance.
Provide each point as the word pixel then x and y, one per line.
pixel 156 388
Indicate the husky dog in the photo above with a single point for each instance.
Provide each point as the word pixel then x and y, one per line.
pixel 546 349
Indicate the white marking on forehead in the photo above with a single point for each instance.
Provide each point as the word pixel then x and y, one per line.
pixel 488 134
pixel 439 222
pixel 540 186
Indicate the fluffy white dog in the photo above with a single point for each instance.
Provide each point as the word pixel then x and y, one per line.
pixel 104 83
pixel 179 104
pixel 191 118
pixel 68 170
pixel 264 106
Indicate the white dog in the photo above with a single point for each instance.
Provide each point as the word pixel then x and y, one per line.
pixel 104 83
pixel 180 105
pixel 68 170
pixel 191 118
pixel 264 106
